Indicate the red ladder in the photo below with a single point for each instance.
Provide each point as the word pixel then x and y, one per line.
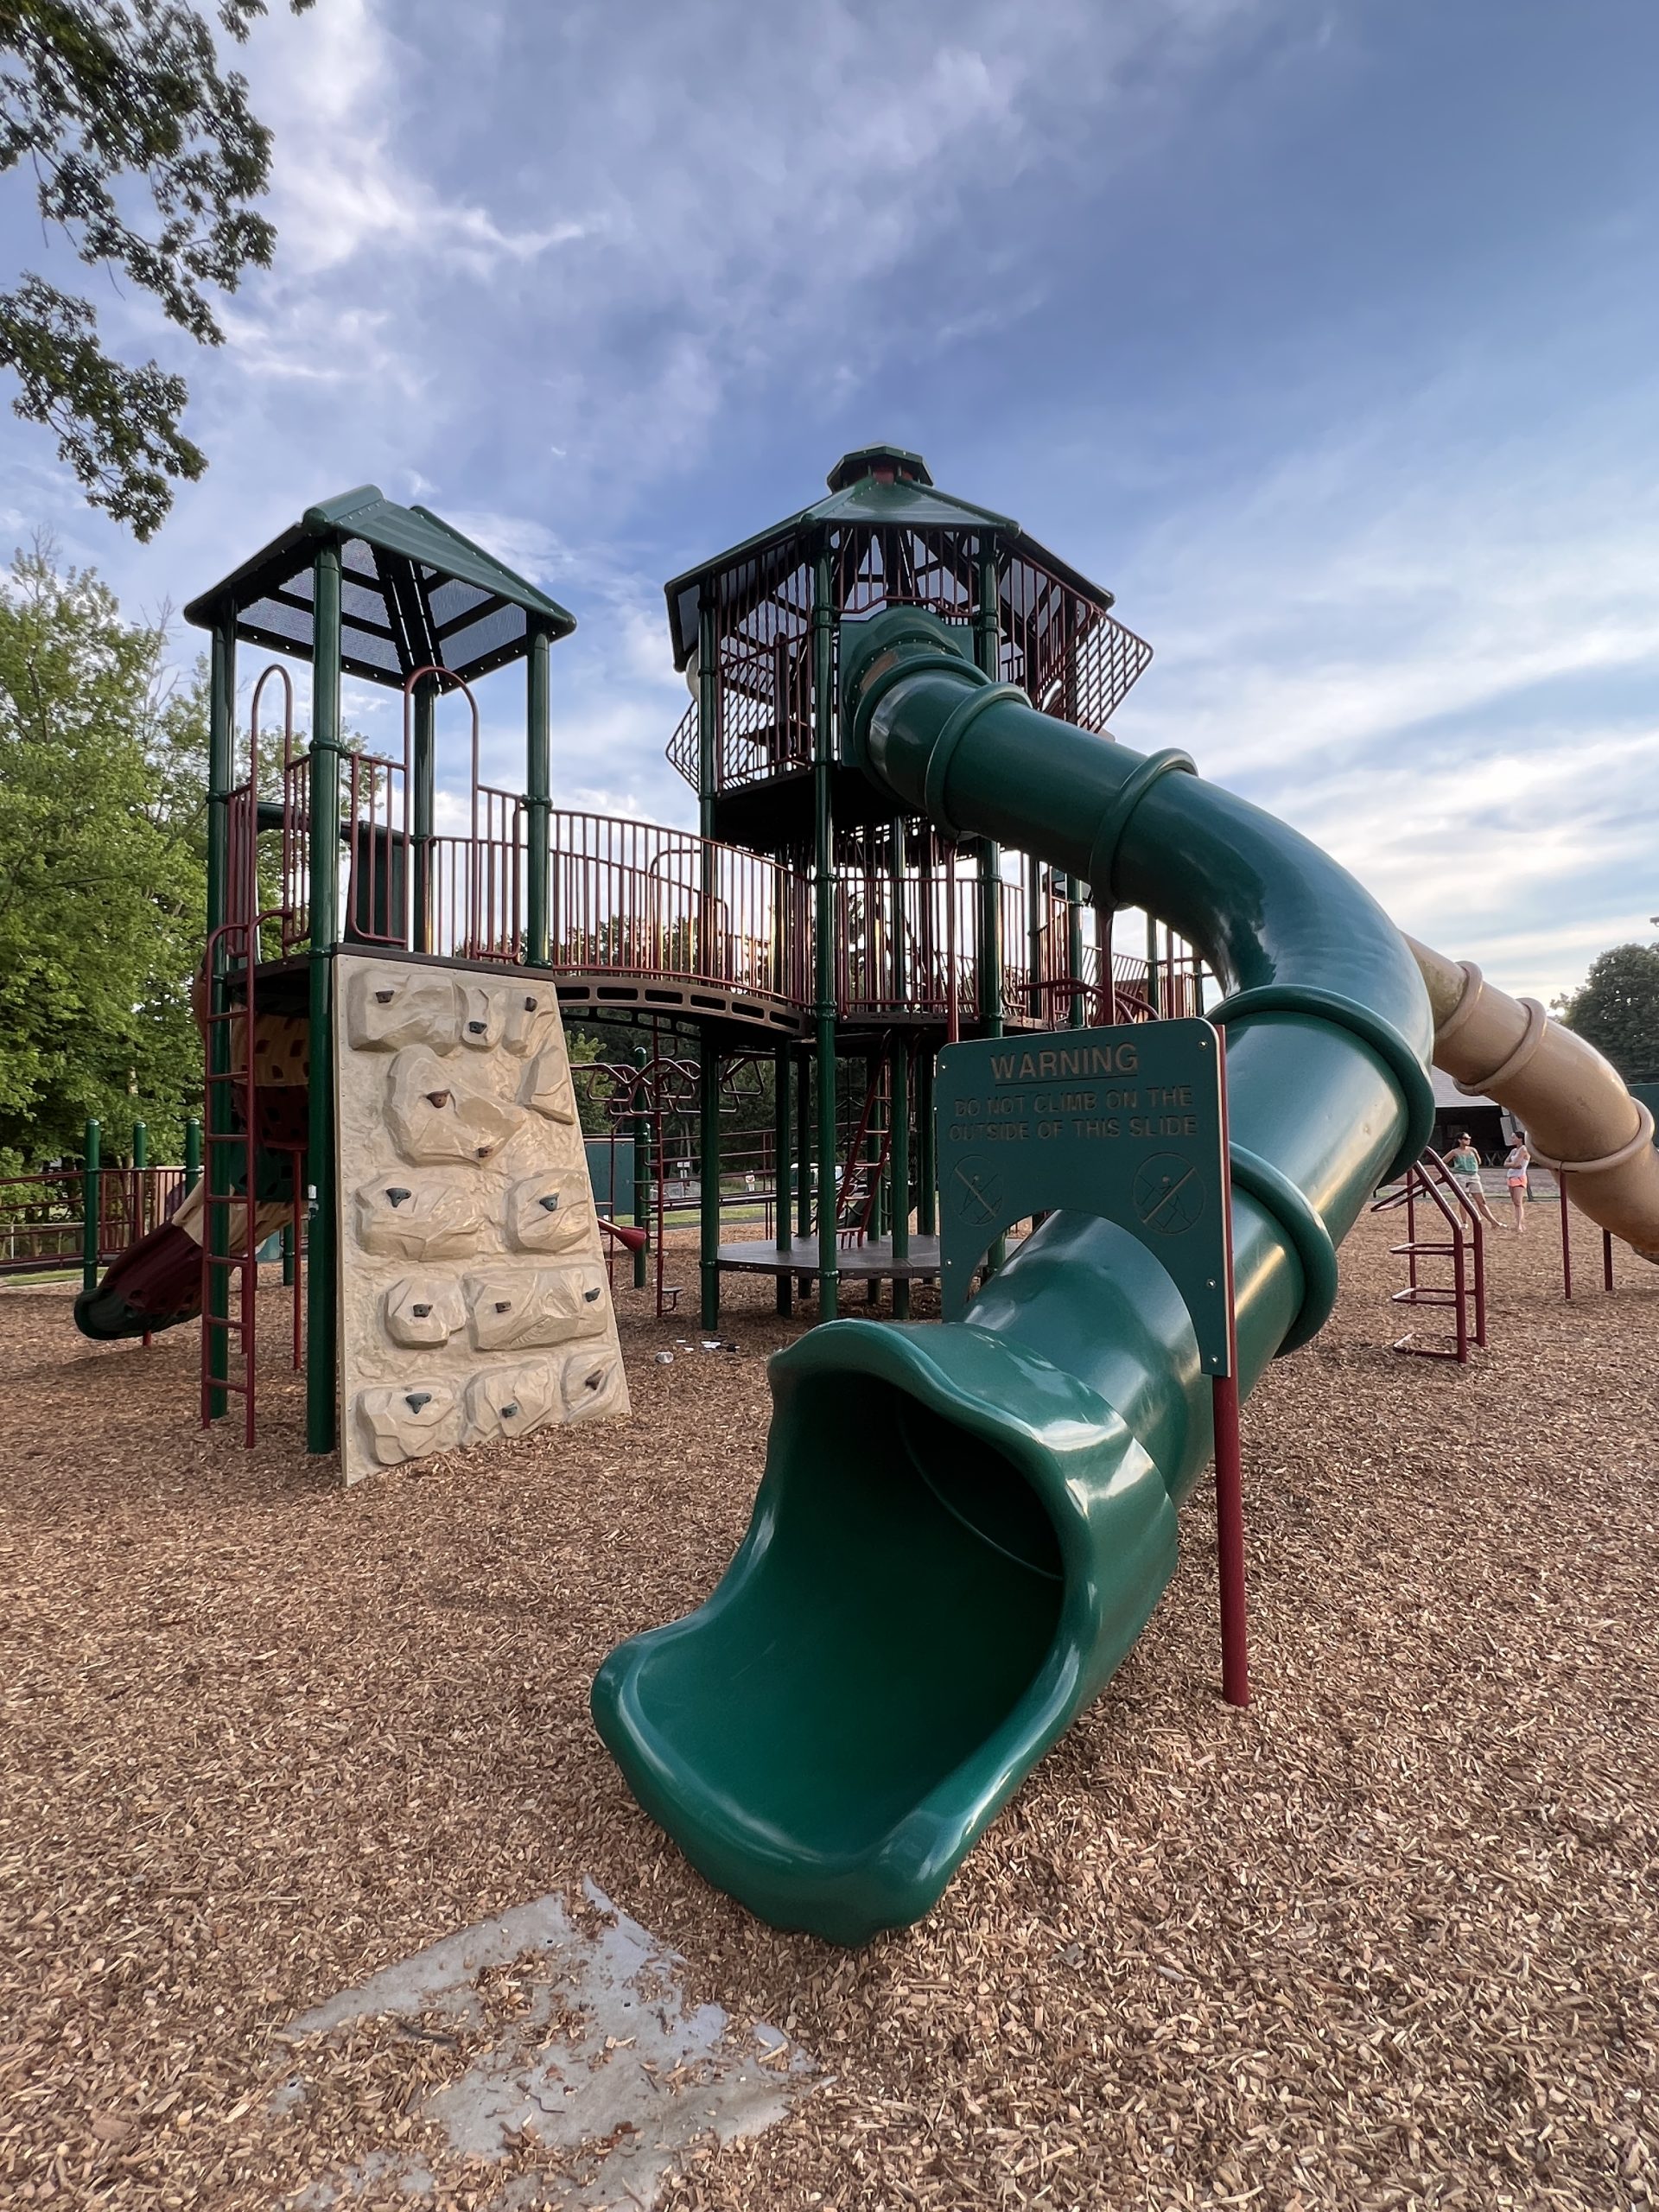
pixel 228 1149
pixel 1460 1240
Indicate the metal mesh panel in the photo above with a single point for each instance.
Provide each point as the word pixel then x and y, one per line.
pixel 452 599
pixel 1057 641
pixel 279 620
pixel 464 648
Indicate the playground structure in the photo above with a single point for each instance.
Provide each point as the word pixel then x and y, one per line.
pixel 800 925
pixel 830 1733
pixel 914 829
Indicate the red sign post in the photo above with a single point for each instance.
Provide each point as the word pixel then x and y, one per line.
pixel 1229 1474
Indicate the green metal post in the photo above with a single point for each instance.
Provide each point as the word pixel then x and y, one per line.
pixel 899 1080
pixel 780 1168
pixel 424 719
pixel 708 951
pixel 287 1254
pixel 926 1151
pixel 192 1154
pixel 644 1167
pixel 1034 934
pixel 1074 949
pixel 824 946
pixel 222 750
pixel 538 785
pixel 709 1211
pixel 322 1290
pixel 803 1145
pixel 900 1157
pixel 1151 964
pixel 988 655
pixel 91 1182
pixel 140 1163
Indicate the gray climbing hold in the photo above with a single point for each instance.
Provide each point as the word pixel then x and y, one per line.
pixel 396 1193
pixel 551 1202
pixel 415 1399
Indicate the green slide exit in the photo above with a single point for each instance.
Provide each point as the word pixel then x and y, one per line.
pixel 964 1527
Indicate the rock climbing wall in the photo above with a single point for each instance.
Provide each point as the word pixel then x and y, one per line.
pixel 474 1301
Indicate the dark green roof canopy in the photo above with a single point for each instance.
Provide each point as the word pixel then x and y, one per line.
pixel 881 486
pixel 414 594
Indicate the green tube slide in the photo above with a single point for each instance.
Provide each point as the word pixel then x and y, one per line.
pixel 964 1527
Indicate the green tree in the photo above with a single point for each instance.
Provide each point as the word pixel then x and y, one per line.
pixel 146 159
pixel 1617 1009
pixel 102 893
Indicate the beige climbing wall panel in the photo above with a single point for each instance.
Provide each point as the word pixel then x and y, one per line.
pixel 473 1297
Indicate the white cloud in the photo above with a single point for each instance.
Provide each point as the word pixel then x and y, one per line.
pixel 331 85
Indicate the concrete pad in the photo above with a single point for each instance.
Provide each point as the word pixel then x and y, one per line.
pixel 605 2060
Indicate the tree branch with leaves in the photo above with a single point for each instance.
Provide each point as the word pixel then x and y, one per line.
pixel 100 96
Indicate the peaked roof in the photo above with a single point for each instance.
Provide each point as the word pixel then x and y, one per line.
pixel 880 487
pixel 414 593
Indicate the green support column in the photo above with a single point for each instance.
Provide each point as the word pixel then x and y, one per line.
pixel 424 720
pixel 321 1289
pixel 900 1157
pixel 804 1146
pixel 1152 965
pixel 1034 905
pixel 192 1154
pixel 140 1163
pixel 899 1079
pixel 988 655
pixel 1074 949
pixel 216 1225
pixel 707 951
pixel 780 1200
pixel 644 1166
pixel 875 1186
pixel 90 1183
pixel 927 1168
pixel 824 932
pixel 538 785
pixel 709 1211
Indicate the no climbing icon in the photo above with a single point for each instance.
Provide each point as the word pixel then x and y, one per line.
pixel 1167 1194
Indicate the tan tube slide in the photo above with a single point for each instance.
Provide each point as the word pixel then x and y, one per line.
pixel 1572 1105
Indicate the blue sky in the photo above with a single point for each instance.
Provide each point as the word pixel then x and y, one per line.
pixel 1326 335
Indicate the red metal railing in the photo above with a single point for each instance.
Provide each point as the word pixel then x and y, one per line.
pixel 42 1214
pixel 640 900
pixel 475 884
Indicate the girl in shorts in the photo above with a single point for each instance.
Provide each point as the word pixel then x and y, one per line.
pixel 1515 1168
pixel 1465 1163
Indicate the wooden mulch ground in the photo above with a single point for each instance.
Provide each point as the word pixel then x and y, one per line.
pixel 1387 1938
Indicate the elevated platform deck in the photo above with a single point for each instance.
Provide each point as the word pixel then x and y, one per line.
pixel 870 1262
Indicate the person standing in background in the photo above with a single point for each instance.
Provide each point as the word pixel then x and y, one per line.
pixel 1465 1164
pixel 1515 1166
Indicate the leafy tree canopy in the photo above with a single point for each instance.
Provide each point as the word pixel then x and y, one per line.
pixel 102 869
pixel 147 159
pixel 1617 1010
